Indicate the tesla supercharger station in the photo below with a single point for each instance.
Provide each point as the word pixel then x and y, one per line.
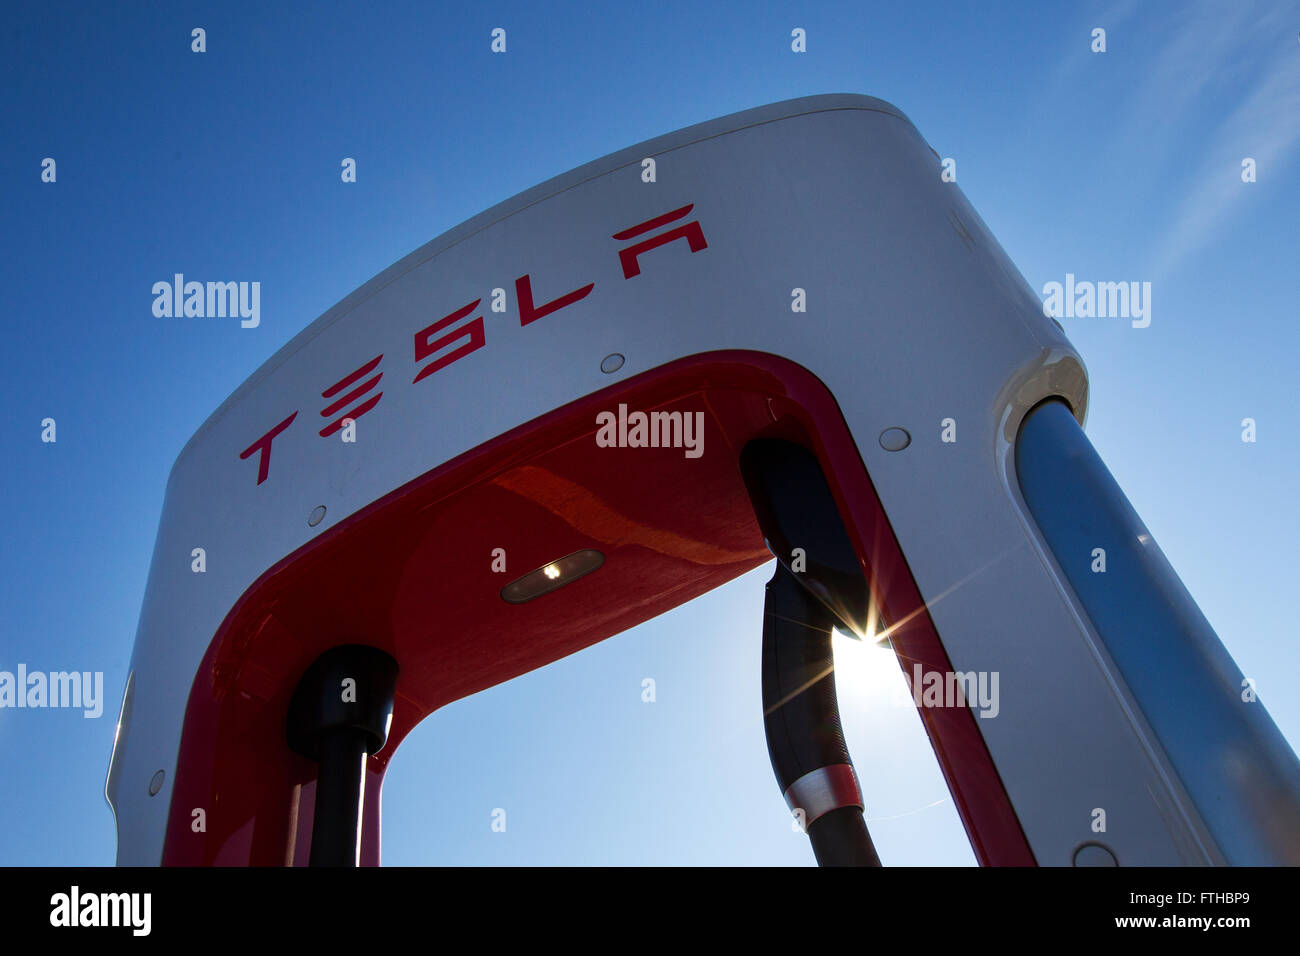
pixel 599 400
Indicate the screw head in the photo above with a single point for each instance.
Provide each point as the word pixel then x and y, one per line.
pixel 611 363
pixel 895 439
pixel 1094 854
pixel 317 516
pixel 156 783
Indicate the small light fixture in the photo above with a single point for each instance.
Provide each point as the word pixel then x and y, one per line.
pixel 551 576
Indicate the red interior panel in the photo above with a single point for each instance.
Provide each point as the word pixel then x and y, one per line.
pixel 412 574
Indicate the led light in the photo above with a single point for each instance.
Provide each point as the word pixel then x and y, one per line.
pixel 550 576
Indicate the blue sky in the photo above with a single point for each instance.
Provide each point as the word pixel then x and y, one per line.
pixel 1116 166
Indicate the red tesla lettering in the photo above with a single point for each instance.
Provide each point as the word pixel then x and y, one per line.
pixel 352 396
pixel 690 231
pixel 527 313
pixel 263 445
pixel 424 347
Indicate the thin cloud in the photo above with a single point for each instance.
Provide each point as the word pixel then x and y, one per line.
pixel 1265 127
pixel 1192 56
pixel 1212 47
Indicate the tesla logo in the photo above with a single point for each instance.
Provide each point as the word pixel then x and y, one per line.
pixel 346 382
pixel 457 334
pixel 690 231
pixel 263 447
pixel 528 313
pixel 471 331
